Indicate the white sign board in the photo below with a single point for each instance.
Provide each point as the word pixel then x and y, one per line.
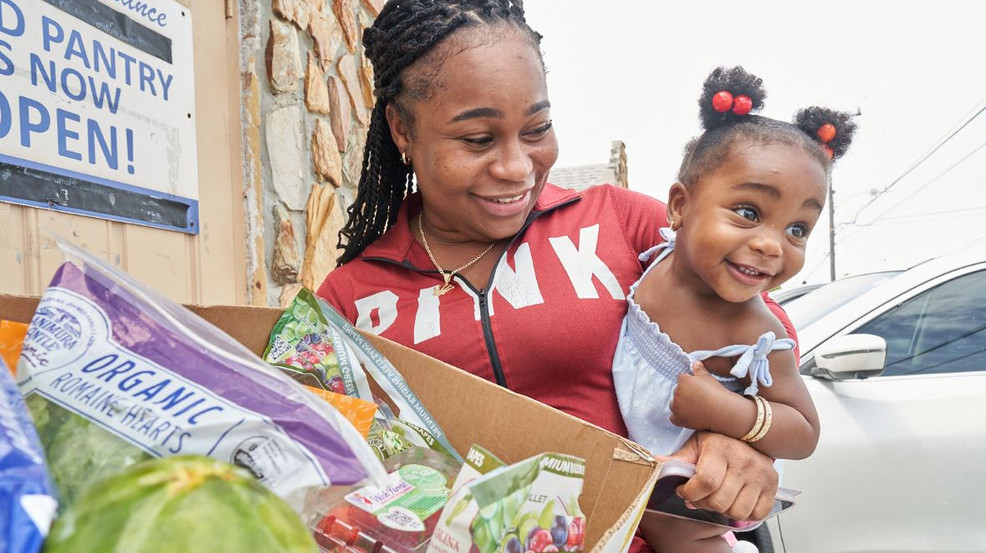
pixel 97 109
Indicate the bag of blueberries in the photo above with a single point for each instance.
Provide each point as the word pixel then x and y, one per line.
pixel 530 506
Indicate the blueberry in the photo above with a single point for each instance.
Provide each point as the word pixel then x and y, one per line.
pixel 513 546
pixel 559 530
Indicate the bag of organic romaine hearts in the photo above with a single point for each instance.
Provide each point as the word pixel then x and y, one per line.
pixel 114 373
pixel 530 506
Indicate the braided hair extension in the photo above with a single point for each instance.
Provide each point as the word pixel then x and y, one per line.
pixel 405 32
pixel 823 133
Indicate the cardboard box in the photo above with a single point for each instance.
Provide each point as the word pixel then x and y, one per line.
pixel 619 474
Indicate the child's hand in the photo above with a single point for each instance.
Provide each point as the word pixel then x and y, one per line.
pixel 694 402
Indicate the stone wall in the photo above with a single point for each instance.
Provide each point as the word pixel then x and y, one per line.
pixel 307 96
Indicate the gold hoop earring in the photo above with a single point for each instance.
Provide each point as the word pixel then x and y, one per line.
pixel 405 159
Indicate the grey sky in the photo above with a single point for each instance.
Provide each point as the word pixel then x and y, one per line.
pixel 632 70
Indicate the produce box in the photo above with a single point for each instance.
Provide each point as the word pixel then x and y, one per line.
pixel 619 474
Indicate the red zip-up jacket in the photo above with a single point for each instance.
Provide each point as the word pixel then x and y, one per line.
pixel 545 326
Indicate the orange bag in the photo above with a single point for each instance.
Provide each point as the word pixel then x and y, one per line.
pixel 358 411
pixel 11 340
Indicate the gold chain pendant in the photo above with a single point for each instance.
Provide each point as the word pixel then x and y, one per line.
pixel 441 290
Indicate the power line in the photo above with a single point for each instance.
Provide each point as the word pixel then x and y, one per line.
pixel 920 188
pixel 932 181
pixel 923 217
pixel 921 160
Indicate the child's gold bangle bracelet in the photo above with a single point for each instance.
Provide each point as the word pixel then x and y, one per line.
pixel 767 420
pixel 759 422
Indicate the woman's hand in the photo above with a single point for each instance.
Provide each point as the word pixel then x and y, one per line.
pixel 731 477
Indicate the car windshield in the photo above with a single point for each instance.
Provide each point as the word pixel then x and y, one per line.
pixel 820 302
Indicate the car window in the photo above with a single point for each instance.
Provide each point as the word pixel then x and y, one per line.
pixel 820 302
pixel 941 330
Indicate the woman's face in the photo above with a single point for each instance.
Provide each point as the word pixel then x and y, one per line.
pixel 480 142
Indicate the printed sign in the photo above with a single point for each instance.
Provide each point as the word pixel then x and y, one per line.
pixel 97 109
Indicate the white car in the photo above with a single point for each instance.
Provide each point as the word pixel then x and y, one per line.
pixel 898 375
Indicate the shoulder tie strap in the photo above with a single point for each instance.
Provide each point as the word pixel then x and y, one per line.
pixel 752 361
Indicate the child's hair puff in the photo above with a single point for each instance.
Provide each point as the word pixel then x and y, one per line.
pixel 812 120
pixel 737 82
pixel 823 133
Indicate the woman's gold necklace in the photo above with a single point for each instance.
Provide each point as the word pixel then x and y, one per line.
pixel 447 276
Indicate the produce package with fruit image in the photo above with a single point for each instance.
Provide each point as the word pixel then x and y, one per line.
pixel 317 346
pixel 397 517
pixel 461 505
pixel 115 374
pixel 530 506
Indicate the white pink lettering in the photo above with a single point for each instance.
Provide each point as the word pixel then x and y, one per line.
pixel 520 288
pixel 427 322
pixel 384 303
pixel 582 264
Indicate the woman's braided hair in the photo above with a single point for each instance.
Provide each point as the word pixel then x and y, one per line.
pixel 823 133
pixel 403 33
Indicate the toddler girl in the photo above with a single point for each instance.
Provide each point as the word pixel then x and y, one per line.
pixel 750 189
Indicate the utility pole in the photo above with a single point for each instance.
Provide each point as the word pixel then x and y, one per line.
pixel 859 112
pixel 831 231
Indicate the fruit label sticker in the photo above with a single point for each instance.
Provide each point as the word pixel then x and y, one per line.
pixel 531 506
pixel 412 494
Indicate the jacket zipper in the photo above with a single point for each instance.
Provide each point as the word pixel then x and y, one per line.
pixel 484 317
pixel 484 311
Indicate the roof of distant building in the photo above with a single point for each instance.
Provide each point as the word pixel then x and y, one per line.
pixel 583 176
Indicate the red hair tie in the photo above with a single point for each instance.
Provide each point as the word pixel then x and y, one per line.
pixel 828 151
pixel 723 101
pixel 742 104
pixel 826 133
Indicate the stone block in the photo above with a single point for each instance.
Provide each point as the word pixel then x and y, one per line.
pixel 286 262
pixel 343 10
pixel 283 65
pixel 286 150
pixel 327 36
pixel 296 11
pixel 316 91
pixel 325 154
pixel 323 220
pixel 340 112
pixel 346 68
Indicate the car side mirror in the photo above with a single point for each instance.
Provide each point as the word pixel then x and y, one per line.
pixel 851 356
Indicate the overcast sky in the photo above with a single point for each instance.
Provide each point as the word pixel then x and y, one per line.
pixel 632 70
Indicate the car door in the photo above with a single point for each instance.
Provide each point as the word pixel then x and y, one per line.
pixel 900 462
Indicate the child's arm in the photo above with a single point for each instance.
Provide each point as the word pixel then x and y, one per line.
pixel 700 402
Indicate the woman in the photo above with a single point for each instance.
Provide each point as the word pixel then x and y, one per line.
pixel 488 267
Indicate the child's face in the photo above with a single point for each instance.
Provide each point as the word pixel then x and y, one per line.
pixel 744 226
